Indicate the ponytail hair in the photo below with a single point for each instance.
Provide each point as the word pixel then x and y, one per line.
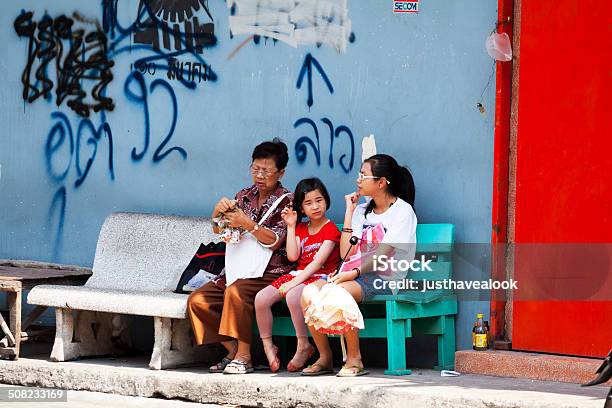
pixel 401 183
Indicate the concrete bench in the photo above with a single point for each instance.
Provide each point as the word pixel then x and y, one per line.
pixel 138 262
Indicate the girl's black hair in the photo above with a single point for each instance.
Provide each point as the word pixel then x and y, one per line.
pixel 275 149
pixel 400 180
pixel 304 187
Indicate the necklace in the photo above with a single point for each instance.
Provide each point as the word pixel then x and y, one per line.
pixel 388 206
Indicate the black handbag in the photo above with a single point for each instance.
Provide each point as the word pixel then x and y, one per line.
pixel 210 257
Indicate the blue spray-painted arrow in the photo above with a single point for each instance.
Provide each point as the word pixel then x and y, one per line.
pixel 309 61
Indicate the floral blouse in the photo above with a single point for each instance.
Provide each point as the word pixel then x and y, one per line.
pixel 247 201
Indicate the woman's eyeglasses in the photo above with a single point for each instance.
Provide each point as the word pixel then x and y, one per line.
pixel 265 173
pixel 362 177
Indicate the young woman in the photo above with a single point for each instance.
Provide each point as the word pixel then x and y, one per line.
pixel 390 213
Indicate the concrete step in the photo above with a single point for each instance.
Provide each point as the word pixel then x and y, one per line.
pixel 424 388
pixel 534 366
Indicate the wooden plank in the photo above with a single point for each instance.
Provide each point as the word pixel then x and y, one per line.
pixel 444 306
pixel 10 352
pixel 46 332
pixel 435 233
pixel 68 280
pixel 9 273
pixel 14 301
pixel 7 331
pixel 10 286
pixel 374 329
pixel 446 344
pixel 428 325
pixel 38 310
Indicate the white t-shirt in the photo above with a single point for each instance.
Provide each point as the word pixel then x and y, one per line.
pixel 399 222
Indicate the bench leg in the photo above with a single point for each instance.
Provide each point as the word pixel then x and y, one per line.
pixel 173 344
pixel 87 335
pixel 63 347
pixel 396 344
pixel 14 301
pixel 446 344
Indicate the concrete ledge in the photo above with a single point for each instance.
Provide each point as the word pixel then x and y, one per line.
pixel 421 389
pixel 533 366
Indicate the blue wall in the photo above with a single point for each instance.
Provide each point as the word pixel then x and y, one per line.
pixel 412 80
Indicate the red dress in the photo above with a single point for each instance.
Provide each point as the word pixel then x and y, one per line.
pixel 309 245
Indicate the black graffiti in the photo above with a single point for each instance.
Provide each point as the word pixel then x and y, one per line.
pixel 173 20
pixel 143 67
pixel 121 41
pixel 85 67
pixel 306 71
pixel 180 71
pixel 193 70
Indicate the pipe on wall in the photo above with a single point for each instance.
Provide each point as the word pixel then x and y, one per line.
pixel 499 233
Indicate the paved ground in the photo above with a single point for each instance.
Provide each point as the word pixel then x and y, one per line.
pixel 88 399
pixel 424 388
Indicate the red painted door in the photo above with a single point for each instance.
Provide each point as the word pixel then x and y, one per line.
pixel 564 173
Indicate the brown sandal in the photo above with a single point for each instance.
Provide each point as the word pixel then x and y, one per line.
pixel 322 370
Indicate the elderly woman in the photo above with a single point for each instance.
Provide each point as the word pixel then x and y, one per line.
pixel 225 315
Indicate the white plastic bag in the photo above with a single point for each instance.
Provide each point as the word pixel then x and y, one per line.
pixel 498 46
pixel 198 280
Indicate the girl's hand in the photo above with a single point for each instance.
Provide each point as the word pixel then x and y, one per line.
pixel 289 216
pixel 344 276
pixel 351 201
pixel 284 288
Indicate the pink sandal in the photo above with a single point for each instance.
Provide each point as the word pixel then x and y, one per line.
pixel 293 368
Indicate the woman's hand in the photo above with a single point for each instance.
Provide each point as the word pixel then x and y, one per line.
pixel 224 205
pixel 344 276
pixel 238 218
pixel 289 216
pixel 351 201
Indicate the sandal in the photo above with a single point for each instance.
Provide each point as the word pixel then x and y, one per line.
pixel 238 367
pixel 220 366
pixel 293 368
pixel 322 370
pixel 275 364
pixel 352 371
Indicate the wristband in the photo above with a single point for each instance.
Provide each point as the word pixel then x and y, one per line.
pixel 358 272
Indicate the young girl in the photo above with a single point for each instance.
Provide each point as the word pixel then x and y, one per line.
pixel 314 245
